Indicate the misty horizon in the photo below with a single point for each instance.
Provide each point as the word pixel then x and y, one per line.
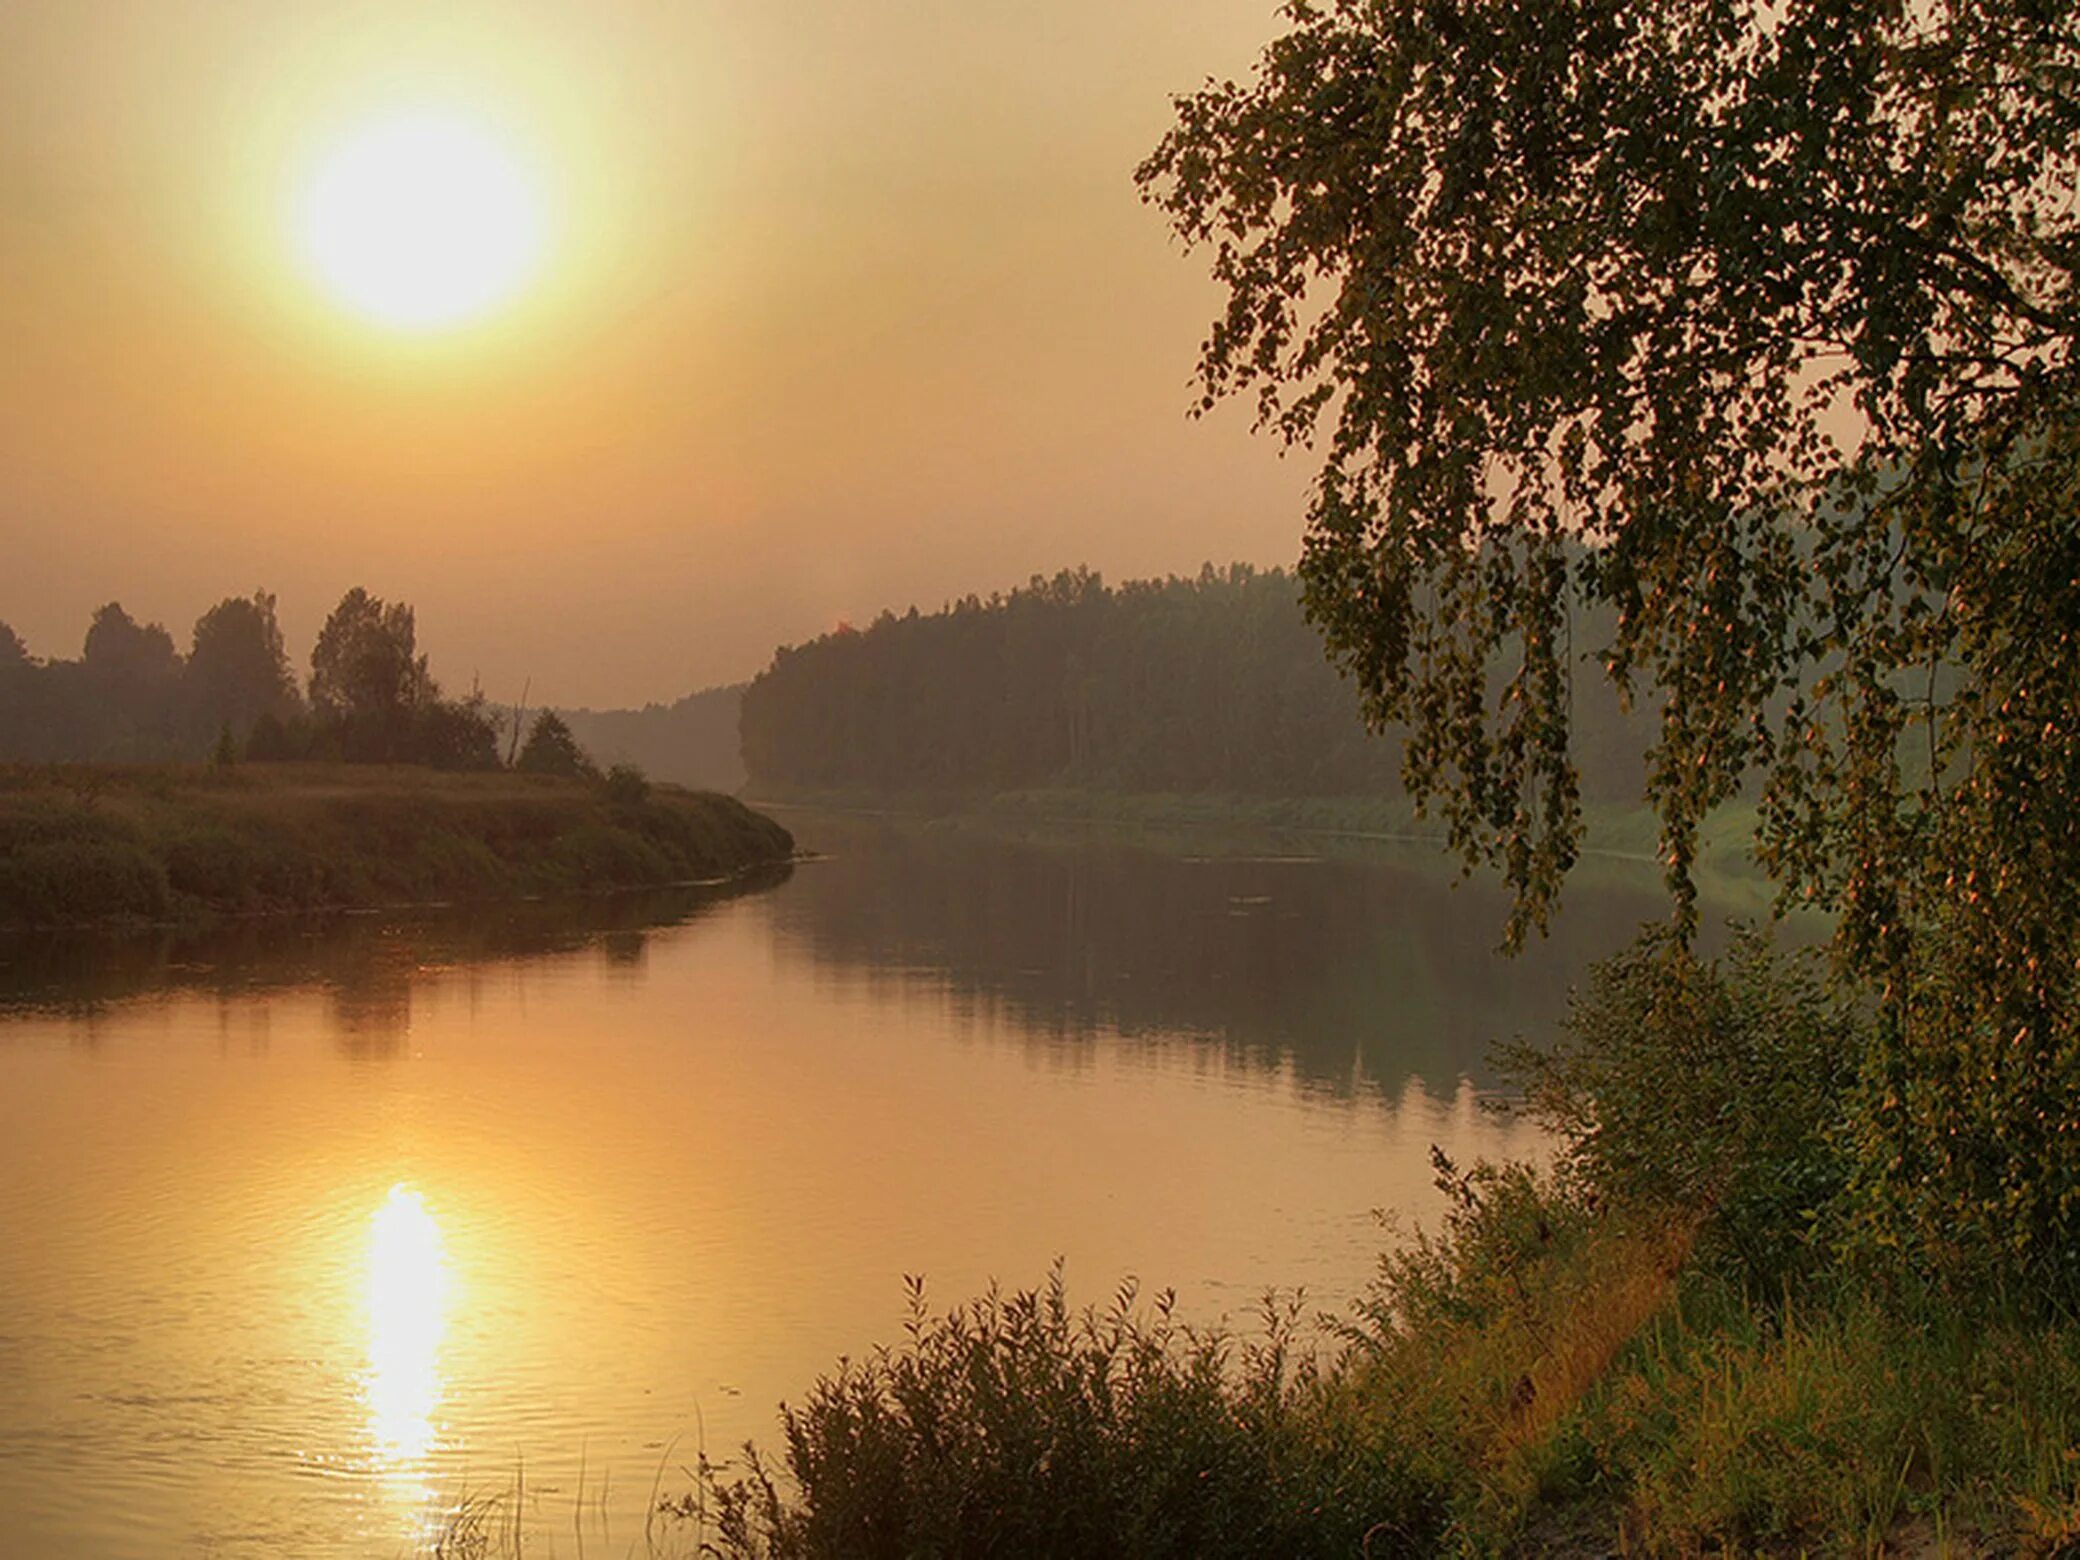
pixel 512 687
pixel 834 317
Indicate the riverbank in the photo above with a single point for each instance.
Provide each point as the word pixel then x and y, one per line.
pixel 1588 1393
pixel 85 845
pixel 1686 1335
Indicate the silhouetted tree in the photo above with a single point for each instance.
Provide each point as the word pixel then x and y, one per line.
pixel 455 734
pixel 22 688
pixel 123 695
pixel 120 648
pixel 131 697
pixel 238 669
pixel 551 749
pixel 368 679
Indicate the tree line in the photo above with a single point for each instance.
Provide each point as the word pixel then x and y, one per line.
pixel 691 741
pixel 133 696
pixel 1213 683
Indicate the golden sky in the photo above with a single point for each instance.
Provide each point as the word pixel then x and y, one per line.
pixel 842 304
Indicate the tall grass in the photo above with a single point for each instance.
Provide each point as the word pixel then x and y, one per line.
pixel 1014 1424
pixel 81 844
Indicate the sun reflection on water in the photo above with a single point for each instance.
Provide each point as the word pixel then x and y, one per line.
pixel 408 1292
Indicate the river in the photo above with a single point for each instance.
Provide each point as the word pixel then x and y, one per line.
pixel 311 1229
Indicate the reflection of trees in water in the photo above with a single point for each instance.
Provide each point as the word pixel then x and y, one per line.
pixel 626 951
pixel 1345 970
pixel 372 1003
pixel 369 965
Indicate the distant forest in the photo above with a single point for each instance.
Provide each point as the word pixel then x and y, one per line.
pixel 133 696
pixel 1209 684
pixel 691 741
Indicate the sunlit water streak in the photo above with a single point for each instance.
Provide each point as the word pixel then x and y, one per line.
pixel 408 1297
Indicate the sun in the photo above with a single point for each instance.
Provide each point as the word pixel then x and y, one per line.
pixel 420 219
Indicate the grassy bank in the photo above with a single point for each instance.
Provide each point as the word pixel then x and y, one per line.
pixel 1689 1336
pixel 81 845
pixel 1584 1393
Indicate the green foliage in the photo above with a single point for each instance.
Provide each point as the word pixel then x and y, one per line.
pixel 609 854
pixel 123 695
pixel 1775 310
pixel 118 646
pixel 366 671
pixel 454 734
pixel 273 740
pixel 1502 1223
pixel 1014 1425
pixel 375 701
pixel 1614 270
pixel 132 698
pixel 1708 1088
pixel 1965 1126
pixel 551 749
pixel 1578 1384
pixel 1841 1424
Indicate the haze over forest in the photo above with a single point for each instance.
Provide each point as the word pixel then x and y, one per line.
pixel 823 334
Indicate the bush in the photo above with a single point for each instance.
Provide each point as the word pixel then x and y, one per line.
pixel 551 749
pixel 1716 1087
pixel 1015 1426
pixel 626 786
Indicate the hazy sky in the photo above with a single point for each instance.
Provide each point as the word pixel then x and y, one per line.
pixel 844 304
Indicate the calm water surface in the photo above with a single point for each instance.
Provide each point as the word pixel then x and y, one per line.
pixel 306 1231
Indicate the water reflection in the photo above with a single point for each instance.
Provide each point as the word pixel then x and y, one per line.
pixel 369 965
pixel 408 1294
pixel 654 1181
pixel 1355 974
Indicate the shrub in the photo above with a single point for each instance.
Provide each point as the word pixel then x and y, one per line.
pixel 1013 1425
pixel 551 749
pixel 626 786
pixel 1710 1086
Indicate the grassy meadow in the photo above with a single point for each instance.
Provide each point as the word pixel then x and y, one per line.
pixel 92 844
